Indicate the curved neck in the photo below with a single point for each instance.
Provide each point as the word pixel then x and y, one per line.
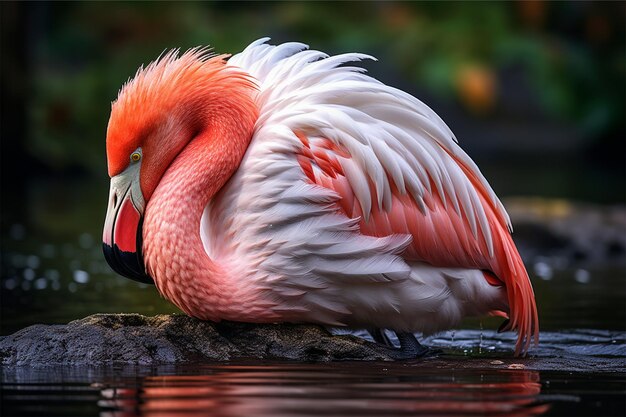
pixel 173 250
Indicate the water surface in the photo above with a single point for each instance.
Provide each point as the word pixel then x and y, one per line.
pixel 289 389
pixel 52 271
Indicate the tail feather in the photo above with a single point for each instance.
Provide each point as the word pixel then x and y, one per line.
pixel 508 268
pixel 523 315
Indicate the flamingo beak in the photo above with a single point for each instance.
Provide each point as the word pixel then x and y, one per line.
pixel 122 236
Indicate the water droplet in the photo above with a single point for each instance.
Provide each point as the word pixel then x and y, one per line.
pixel 80 276
pixel 10 284
pixel 29 274
pixel 72 287
pixel 32 261
pixel 17 231
pixel 26 285
pixel 582 276
pixel 543 271
pixel 40 284
pixel 56 285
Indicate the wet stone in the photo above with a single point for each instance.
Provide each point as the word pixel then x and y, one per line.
pixel 104 339
pixel 137 339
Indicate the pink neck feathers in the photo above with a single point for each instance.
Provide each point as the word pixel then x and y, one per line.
pixel 173 250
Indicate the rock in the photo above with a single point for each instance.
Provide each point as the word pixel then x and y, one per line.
pixel 136 339
pixel 570 232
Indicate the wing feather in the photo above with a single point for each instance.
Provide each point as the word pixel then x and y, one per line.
pixel 398 168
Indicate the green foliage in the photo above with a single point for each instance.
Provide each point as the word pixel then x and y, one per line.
pixel 83 52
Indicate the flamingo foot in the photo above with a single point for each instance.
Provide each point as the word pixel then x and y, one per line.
pixel 409 348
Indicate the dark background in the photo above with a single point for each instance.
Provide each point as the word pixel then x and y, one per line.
pixel 534 91
pixel 542 82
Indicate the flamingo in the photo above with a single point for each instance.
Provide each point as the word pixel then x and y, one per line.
pixel 282 184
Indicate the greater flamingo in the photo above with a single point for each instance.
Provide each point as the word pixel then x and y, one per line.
pixel 281 185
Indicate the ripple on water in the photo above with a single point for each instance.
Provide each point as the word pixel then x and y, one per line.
pixel 590 347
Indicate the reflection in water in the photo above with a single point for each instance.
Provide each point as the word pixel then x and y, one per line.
pixel 329 391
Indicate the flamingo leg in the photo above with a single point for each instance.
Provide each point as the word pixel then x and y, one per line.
pixel 409 348
pixel 380 336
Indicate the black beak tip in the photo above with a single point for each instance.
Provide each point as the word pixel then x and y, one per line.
pixel 128 264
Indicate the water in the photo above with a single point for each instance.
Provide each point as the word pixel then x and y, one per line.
pixel 290 389
pixel 53 271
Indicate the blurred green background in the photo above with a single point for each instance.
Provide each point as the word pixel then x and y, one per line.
pixel 534 91
pixel 542 80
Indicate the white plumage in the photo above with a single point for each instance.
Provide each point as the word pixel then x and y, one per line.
pixel 277 231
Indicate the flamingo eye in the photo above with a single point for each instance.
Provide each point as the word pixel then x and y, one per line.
pixel 135 156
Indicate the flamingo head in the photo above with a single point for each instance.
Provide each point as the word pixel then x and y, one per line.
pixel 155 116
